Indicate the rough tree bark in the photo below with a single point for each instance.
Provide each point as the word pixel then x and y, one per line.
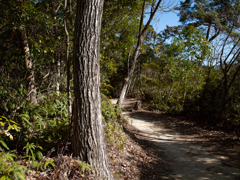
pixel 142 33
pixel 88 135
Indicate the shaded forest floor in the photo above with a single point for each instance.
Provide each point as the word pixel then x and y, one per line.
pixel 142 159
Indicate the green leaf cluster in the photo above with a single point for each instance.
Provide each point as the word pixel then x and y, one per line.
pixel 45 123
pixel 83 166
pixel 5 126
pixel 35 157
pixel 113 123
pixel 176 75
pixel 10 169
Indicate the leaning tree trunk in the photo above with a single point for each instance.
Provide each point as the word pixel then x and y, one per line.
pixel 88 135
pixel 142 33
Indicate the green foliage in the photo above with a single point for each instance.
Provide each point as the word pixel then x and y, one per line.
pixel 105 87
pixel 10 169
pixel 181 76
pixel 5 126
pixel 219 15
pixel 48 162
pixel 176 75
pixel 83 166
pixel 12 97
pixel 211 98
pixel 43 164
pixel 34 153
pixel 120 27
pixel 113 123
pixel 45 123
pixel 35 157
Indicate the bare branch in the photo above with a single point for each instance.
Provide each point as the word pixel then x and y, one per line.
pixel 232 51
pixel 57 8
pixel 151 17
pixel 208 31
pixel 224 44
pixel 142 16
pixel 217 32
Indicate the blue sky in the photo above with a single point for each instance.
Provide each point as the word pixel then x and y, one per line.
pixel 161 20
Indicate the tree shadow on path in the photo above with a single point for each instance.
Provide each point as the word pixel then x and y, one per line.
pixel 159 168
pixel 169 145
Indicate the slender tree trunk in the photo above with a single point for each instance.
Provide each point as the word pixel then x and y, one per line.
pixel 207 82
pixel 225 65
pixel 88 135
pixel 139 79
pixel 128 69
pixel 32 92
pixel 68 64
pixel 131 85
pixel 29 67
pixel 58 71
pixel 227 83
pixel 169 93
pixel 185 91
pixel 128 59
pixel 141 35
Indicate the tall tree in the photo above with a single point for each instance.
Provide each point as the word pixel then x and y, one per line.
pixel 28 60
pixel 230 68
pixel 141 35
pixel 88 139
pixel 216 15
pixel 119 32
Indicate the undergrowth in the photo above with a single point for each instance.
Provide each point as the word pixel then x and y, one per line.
pixel 9 168
pixel 114 122
pixel 28 141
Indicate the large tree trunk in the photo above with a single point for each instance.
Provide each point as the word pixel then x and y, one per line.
pixel 141 35
pixel 88 137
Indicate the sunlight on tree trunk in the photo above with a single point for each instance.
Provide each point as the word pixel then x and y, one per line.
pixel 88 135
pixel 141 35
pixel 58 72
pixel 68 63
pixel 29 67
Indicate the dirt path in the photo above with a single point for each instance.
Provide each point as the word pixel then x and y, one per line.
pixel 189 160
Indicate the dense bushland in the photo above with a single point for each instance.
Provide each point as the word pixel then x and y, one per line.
pixel 184 76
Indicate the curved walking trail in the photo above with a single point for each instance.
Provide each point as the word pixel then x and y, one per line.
pixel 188 158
